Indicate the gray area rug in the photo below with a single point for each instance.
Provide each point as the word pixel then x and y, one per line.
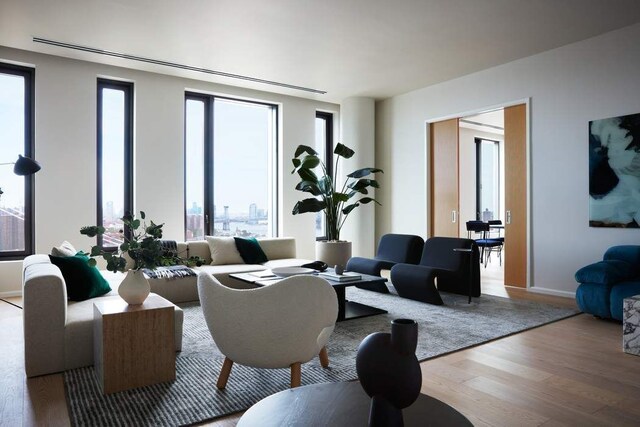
pixel 193 397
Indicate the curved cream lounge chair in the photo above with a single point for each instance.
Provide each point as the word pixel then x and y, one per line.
pixel 277 326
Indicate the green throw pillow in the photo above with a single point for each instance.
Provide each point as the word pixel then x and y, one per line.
pixel 250 250
pixel 83 281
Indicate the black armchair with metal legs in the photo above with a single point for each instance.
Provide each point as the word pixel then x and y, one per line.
pixel 392 249
pixel 495 225
pixel 453 264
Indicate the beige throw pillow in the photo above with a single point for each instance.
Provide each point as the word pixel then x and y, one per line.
pixel 65 249
pixel 223 250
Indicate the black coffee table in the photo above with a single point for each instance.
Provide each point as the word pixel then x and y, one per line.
pixel 341 404
pixel 347 310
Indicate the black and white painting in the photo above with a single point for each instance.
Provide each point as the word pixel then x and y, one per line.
pixel 614 172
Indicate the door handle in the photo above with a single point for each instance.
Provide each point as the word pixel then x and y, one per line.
pixel 453 216
pixel 508 219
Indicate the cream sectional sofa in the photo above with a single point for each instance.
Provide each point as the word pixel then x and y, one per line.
pixel 280 251
pixel 58 334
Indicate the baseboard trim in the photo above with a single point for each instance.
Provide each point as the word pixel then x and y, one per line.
pixel 555 292
pixel 10 294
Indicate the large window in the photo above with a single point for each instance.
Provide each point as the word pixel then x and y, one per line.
pixel 230 179
pixel 487 179
pixel 115 158
pixel 324 147
pixel 16 137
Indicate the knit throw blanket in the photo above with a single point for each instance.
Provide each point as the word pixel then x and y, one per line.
pixel 171 272
pixel 170 246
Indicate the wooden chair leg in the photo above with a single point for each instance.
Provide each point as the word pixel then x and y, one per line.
pixel 224 373
pixel 324 357
pixel 296 375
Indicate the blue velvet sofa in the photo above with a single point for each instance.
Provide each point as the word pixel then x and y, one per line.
pixel 605 284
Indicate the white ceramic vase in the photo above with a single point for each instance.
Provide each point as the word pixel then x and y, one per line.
pixel 333 252
pixel 135 288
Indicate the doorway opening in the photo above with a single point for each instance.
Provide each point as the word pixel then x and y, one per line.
pixel 492 145
pixel 481 180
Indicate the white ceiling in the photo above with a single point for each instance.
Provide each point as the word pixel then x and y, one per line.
pixel 376 48
pixel 490 121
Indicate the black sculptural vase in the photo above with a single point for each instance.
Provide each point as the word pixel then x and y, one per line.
pixel 389 372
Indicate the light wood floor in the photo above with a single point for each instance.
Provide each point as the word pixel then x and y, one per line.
pixel 572 372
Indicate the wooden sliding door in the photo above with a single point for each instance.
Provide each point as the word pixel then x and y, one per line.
pixel 515 159
pixel 444 178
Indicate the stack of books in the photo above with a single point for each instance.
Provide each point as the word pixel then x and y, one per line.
pixel 347 276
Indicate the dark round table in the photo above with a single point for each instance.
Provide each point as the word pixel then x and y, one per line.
pixel 341 404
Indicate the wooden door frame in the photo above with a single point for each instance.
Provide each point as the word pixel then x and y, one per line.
pixel 426 135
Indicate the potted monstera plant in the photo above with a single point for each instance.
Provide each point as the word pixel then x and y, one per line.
pixel 335 200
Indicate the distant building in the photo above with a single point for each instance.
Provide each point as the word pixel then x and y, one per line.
pixel 253 213
pixel 195 226
pixel 108 214
pixel 225 221
pixel 11 230
pixel 195 209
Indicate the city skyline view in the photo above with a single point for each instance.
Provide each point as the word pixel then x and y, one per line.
pixel 243 141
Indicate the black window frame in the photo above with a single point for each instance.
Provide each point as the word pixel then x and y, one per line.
pixel 208 200
pixel 127 87
pixel 328 153
pixel 478 142
pixel 29 75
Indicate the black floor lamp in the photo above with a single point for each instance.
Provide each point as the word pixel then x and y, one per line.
pixel 23 166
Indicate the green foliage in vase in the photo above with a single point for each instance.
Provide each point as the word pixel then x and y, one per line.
pixel 143 246
pixel 336 205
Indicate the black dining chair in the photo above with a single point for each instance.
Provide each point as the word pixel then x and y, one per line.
pixel 495 225
pixel 486 244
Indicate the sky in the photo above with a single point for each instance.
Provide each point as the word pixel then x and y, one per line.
pixel 242 143
pixel 11 138
pixel 113 148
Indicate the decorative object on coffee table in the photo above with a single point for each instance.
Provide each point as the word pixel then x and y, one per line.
pixel 143 246
pixel 389 371
pixel 333 202
pixel 291 271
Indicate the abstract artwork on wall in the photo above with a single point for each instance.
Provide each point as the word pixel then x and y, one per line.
pixel 614 172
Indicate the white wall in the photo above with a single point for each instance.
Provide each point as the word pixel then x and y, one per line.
pixel 66 143
pixel 568 86
pixel 358 133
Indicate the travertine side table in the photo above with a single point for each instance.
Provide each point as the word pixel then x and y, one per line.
pixel 631 325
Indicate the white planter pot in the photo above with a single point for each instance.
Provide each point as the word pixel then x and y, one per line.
pixel 333 252
pixel 135 288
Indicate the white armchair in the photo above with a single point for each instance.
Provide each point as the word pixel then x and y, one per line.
pixel 277 326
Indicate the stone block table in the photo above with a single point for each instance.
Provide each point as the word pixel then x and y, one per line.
pixel 631 325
